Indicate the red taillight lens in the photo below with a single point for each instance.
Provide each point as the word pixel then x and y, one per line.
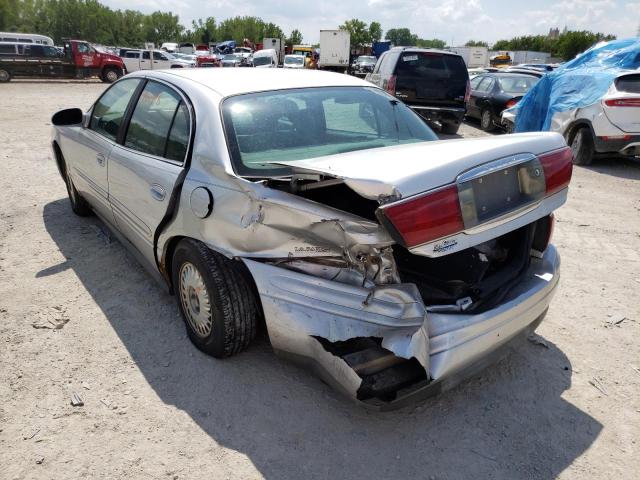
pixel 427 217
pixel 623 102
pixel 391 85
pixel 467 93
pixel 511 103
pixel 557 167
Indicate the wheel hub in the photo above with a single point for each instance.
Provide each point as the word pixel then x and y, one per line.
pixel 194 298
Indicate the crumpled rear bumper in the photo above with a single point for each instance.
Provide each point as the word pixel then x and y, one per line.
pixel 299 309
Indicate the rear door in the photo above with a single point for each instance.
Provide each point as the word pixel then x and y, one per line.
pixel 431 79
pixel 623 106
pixel 87 154
pixel 145 166
pixel 145 60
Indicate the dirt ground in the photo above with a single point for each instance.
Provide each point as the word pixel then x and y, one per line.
pixel 79 315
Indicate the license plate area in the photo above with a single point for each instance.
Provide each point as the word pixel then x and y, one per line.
pixel 499 188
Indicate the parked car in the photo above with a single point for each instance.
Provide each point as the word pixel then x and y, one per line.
pixel 491 93
pixel 536 72
pixel 235 60
pixel 363 64
pixel 610 126
pixel 393 264
pixel 135 60
pixel 434 83
pixel 294 61
pixel 477 71
pixel 78 59
pixel 267 58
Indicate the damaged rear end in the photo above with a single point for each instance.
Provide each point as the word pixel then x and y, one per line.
pixel 454 262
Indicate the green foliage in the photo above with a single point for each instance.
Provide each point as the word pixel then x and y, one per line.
pixel 92 21
pixel 476 43
pixel 359 32
pixel 375 31
pixel 401 37
pixel 295 38
pixel 433 43
pixel 566 46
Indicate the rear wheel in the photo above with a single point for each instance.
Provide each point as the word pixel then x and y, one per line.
pixel 582 146
pixel 5 76
pixel 111 74
pixel 215 298
pixel 450 128
pixel 486 120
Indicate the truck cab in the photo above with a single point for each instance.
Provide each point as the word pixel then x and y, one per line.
pixel 78 59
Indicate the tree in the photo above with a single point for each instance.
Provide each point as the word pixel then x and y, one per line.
pixel 375 31
pixel 295 38
pixel 433 43
pixel 474 43
pixel 401 37
pixel 358 31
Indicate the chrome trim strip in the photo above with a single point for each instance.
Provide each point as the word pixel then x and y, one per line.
pixel 494 166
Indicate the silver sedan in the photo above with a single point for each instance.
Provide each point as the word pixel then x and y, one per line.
pixel 392 263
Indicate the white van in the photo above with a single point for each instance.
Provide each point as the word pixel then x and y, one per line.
pixel 267 58
pixel 25 38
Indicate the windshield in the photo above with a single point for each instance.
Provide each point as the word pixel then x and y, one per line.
pixel 290 125
pixel 257 61
pixel 517 85
pixel 231 57
pixel 366 60
pixel 304 53
pixel 294 60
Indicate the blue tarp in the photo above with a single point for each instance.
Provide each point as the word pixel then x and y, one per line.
pixel 576 84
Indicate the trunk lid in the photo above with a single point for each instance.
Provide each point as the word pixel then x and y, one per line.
pixel 622 108
pixel 402 171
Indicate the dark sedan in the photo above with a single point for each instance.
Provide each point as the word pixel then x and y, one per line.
pixel 492 93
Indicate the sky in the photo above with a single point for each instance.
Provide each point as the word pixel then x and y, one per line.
pixel 456 22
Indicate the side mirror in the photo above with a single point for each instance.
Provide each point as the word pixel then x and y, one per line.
pixel 67 117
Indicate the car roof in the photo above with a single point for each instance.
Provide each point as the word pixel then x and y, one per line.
pixel 232 81
pixel 427 50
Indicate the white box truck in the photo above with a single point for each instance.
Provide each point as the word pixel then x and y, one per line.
pixel 474 57
pixel 277 44
pixel 335 47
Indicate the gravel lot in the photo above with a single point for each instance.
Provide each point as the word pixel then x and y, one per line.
pixel 155 407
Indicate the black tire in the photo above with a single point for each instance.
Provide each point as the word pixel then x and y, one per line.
pixel 5 75
pixel 486 120
pixel 79 205
pixel 230 298
pixel 450 128
pixel 582 146
pixel 111 74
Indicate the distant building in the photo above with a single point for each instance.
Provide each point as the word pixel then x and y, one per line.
pixel 554 33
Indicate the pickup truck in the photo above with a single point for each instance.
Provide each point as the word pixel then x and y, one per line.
pixel 135 60
pixel 78 59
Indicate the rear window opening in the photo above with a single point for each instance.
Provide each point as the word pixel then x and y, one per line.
pixel 429 65
pixel 628 84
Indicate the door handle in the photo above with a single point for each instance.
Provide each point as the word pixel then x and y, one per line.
pixel 157 192
pixel 100 159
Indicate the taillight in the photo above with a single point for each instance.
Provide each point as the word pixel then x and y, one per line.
pixel 427 217
pixel 391 85
pixel 467 93
pixel 623 102
pixel 511 103
pixel 557 167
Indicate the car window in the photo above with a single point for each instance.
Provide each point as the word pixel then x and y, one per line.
pixel 159 56
pixel 485 85
pixel 110 108
pixel 179 135
pixel 289 125
pixel 8 49
pixel 430 65
pixel 34 50
pixel 152 120
pixel 476 81
pixel 83 48
pixel 517 85
pixel 50 51
pixel 145 55
pixel 132 55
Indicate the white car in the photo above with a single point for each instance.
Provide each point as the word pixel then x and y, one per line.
pixel 293 61
pixel 267 58
pixel 609 126
pixel 392 262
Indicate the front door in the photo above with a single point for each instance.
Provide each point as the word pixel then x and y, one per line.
pixel 88 155
pixel 144 170
pixel 160 61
